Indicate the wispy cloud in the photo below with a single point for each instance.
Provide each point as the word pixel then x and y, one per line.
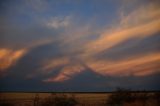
pixel 59 22
pixel 141 15
pixel 82 39
pixel 50 65
pixel 138 65
pixel 67 73
pixel 139 24
pixel 134 25
pixel 9 58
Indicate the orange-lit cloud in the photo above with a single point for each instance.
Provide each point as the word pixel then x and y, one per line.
pixel 140 23
pixel 109 40
pixel 9 57
pixel 139 65
pixel 67 73
pixel 141 15
pixel 49 65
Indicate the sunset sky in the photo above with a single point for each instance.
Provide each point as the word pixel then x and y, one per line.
pixel 79 45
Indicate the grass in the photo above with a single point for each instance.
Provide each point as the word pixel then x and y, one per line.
pixel 121 97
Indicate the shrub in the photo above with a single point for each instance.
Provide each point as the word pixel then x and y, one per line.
pixel 156 97
pixel 119 97
pixel 142 97
pixel 59 100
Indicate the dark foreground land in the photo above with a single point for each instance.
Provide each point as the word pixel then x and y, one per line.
pixel 117 98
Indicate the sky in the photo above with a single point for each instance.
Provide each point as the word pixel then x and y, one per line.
pixel 79 45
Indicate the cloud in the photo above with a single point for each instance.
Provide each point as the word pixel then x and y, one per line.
pixel 67 73
pixel 54 40
pixel 138 66
pixel 134 25
pixel 141 15
pixel 53 63
pixel 9 58
pixel 141 22
pixel 67 68
pixel 108 40
pixel 59 22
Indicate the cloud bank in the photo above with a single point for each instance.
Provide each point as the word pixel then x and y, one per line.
pixel 58 41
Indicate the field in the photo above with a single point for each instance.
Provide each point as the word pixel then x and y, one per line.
pixel 80 99
pixel 27 99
